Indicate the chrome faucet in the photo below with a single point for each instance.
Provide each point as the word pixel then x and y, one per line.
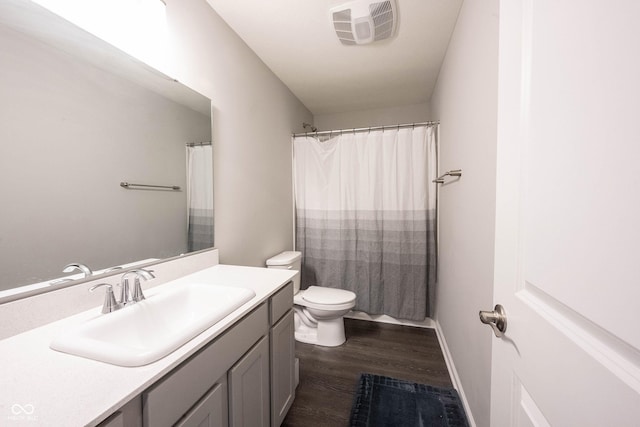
pixel 110 303
pixel 86 271
pixel 126 296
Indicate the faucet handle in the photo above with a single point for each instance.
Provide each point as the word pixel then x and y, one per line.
pixel 143 274
pixel 110 303
pixel 137 294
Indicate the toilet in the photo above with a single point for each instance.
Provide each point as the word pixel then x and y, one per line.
pixel 318 311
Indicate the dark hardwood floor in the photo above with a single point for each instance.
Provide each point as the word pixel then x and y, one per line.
pixel 328 376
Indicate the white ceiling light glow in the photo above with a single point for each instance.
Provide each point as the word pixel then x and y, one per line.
pixel 137 27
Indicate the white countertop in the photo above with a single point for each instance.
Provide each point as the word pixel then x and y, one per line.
pixel 43 387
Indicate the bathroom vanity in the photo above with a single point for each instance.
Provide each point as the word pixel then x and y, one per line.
pixel 238 372
pixel 233 372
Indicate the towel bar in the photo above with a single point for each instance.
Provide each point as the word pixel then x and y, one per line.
pixel 455 172
pixel 130 185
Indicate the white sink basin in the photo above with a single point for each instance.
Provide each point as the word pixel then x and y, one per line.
pixel 144 332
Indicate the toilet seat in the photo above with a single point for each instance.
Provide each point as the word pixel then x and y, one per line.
pixel 322 298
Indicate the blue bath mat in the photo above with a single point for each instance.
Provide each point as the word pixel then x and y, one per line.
pixel 389 402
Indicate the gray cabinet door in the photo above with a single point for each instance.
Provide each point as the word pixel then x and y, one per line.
pixel 168 400
pixel 282 368
pixel 210 411
pixel 129 415
pixel 249 388
pixel 115 420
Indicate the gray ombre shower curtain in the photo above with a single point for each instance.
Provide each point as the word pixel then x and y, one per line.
pixel 366 217
pixel 199 197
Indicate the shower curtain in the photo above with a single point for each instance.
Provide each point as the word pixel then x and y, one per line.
pixel 199 197
pixel 365 217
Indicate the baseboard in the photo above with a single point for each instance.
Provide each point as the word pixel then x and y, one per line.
pixel 455 379
pixel 383 318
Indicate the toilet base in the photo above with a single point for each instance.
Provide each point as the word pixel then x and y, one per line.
pixel 328 333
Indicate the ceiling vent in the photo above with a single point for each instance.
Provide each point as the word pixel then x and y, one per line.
pixel 364 21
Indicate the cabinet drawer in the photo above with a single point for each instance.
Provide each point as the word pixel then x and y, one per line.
pixel 280 303
pixel 115 420
pixel 169 399
pixel 211 411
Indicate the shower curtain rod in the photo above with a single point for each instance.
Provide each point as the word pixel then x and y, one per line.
pixel 354 130
pixel 195 144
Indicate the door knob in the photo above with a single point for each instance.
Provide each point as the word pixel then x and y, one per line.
pixel 497 319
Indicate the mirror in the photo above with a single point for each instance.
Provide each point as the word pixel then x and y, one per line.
pixel 78 117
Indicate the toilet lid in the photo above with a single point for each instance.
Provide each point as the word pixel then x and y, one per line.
pixel 321 295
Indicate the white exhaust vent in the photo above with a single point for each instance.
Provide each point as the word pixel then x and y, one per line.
pixel 364 21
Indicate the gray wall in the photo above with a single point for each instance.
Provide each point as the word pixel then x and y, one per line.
pixel 374 117
pixel 254 116
pixel 465 101
pixel 70 133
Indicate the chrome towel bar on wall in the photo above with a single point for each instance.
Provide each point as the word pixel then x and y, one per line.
pixel 455 172
pixel 133 186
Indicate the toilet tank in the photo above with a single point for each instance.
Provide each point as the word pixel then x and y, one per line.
pixel 288 260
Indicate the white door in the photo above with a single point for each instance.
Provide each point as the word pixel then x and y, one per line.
pixel 567 262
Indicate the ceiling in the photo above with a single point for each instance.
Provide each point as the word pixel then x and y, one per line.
pixel 296 40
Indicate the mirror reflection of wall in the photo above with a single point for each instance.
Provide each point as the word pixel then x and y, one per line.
pixel 70 132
